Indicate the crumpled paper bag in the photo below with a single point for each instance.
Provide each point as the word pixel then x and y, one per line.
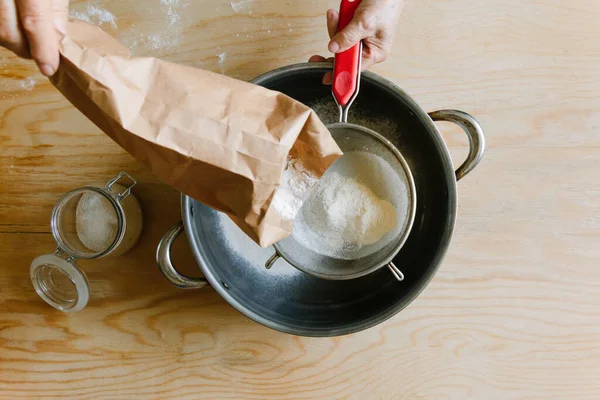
pixel 221 141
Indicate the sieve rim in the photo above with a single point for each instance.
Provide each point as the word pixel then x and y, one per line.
pixel 402 237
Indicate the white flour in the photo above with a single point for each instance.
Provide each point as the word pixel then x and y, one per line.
pixel 359 206
pixel 222 57
pixel 173 16
pixel 147 35
pixel 159 41
pixel 295 186
pixel 96 15
pixel 347 214
pixel 27 83
pixel 166 35
pixel 170 3
pixel 240 5
pixel 10 88
pixel 96 221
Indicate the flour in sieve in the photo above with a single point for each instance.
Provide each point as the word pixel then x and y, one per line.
pixel 359 207
pixel 347 214
pixel 296 183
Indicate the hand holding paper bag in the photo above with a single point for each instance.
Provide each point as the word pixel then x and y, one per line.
pixel 221 141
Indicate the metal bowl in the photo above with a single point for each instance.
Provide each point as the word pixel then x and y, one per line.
pixel 305 305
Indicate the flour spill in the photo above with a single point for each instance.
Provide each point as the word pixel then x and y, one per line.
pixel 173 10
pixel 160 41
pixel 94 14
pixel 173 16
pixel 240 5
pixel 147 35
pixel 170 37
pixel 11 88
pixel 27 84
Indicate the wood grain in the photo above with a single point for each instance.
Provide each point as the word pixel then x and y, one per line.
pixel 512 314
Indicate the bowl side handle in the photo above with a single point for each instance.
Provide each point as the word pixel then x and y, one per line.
pixel 165 265
pixel 474 132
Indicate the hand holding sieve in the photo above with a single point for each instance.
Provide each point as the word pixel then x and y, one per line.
pixel 351 137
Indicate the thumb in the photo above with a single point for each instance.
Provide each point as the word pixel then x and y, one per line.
pixel 347 37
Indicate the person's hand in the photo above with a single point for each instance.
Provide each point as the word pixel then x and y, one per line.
pixel 29 29
pixel 374 23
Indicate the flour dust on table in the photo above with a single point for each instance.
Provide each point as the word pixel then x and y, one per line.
pixel 155 30
pixel 93 14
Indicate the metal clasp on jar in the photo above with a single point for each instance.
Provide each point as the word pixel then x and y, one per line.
pixel 127 191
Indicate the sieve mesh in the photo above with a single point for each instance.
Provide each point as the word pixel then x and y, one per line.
pixel 399 190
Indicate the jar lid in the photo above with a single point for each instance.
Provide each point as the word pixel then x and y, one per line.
pixel 59 282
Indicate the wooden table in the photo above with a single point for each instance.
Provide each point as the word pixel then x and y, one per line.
pixel 514 312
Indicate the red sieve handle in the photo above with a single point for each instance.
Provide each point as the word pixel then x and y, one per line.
pixel 346 67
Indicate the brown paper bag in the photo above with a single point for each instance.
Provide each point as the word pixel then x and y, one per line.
pixel 221 141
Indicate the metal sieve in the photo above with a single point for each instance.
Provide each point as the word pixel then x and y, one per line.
pixel 352 138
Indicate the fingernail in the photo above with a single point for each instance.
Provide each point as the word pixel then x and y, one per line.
pixel 46 69
pixel 329 14
pixel 334 46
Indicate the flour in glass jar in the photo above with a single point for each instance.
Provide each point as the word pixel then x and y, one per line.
pixel 96 221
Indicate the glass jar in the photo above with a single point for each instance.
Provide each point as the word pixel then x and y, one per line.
pixel 89 222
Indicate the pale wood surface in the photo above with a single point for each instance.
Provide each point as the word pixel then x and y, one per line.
pixel 513 312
